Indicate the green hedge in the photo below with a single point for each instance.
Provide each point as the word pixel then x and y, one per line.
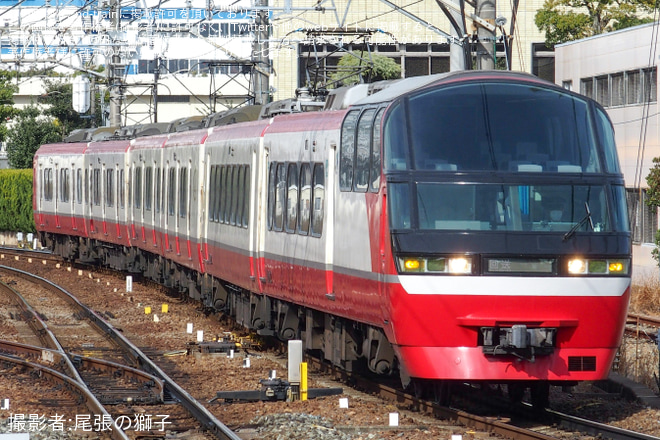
pixel 16 201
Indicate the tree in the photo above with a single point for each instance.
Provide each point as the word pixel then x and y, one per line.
pixel 653 199
pixel 354 68
pixel 27 134
pixel 7 110
pixel 568 20
pixel 59 104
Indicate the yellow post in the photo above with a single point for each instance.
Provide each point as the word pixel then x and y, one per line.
pixel 147 310
pixel 303 381
pixel 165 308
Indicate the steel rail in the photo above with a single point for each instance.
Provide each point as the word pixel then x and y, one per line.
pixel 196 409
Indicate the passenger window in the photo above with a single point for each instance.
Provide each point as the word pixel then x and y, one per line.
pixel 246 196
pixel 159 190
pixel 304 207
pixel 109 178
pixel 79 187
pixel 375 152
pixel 148 187
pixel 292 198
pixel 96 186
pixel 137 188
pixel 280 197
pixel 347 153
pixel 120 185
pixel 234 193
pixel 183 192
pixel 271 194
pixel 212 193
pixel 361 178
pixel 318 200
pixel 226 194
pixel 171 194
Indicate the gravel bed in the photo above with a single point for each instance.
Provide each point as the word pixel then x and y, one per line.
pixel 165 337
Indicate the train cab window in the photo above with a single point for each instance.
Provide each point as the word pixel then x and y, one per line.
pixel 292 198
pixel 96 186
pixel 304 207
pixel 121 195
pixel 148 187
pixel 395 140
pixel 183 192
pixel 246 197
pixel 399 205
pixel 280 197
pixel 171 191
pixel 347 151
pixel 271 194
pixel 318 200
pixel 606 135
pixel 109 187
pixel 363 151
pixel 375 153
pixel 79 186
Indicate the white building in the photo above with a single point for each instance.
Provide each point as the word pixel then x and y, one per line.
pixel 619 70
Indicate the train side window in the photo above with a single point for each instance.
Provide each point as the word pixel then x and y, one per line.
pixel 375 152
pixel 318 200
pixel 137 188
pixel 235 178
pixel 148 187
pixel 183 192
pixel 271 194
pixel 246 199
pixel 280 197
pixel 220 196
pixel 96 186
pixel 64 185
pixel 79 186
pixel 171 191
pixel 157 197
pixel 226 194
pixel 109 177
pixel 212 191
pixel 240 190
pixel 49 184
pixel 120 190
pixel 292 198
pixel 347 151
pixel 304 206
pixel 86 186
pixel 363 151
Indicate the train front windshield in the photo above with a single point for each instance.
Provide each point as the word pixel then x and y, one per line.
pixel 501 157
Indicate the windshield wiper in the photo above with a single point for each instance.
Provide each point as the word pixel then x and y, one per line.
pixel 586 218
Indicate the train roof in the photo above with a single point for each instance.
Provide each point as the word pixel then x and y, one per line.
pixel 406 86
pixel 61 148
pixel 118 146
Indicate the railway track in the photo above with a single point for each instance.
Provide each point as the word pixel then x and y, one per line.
pixel 73 356
pixel 499 426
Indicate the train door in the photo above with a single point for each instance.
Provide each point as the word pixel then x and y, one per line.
pixel 330 200
pixel 77 206
pixel 258 196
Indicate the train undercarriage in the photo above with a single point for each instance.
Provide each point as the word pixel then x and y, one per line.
pixel 344 343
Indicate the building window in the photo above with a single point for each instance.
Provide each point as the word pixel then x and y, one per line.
pixel 643 218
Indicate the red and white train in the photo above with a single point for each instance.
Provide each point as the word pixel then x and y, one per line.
pixel 460 227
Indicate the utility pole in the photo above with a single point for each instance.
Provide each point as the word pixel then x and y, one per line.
pixel 486 10
pixel 261 69
pixel 115 70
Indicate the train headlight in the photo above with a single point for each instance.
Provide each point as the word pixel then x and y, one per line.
pixel 459 265
pixel 581 266
pixel 448 265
